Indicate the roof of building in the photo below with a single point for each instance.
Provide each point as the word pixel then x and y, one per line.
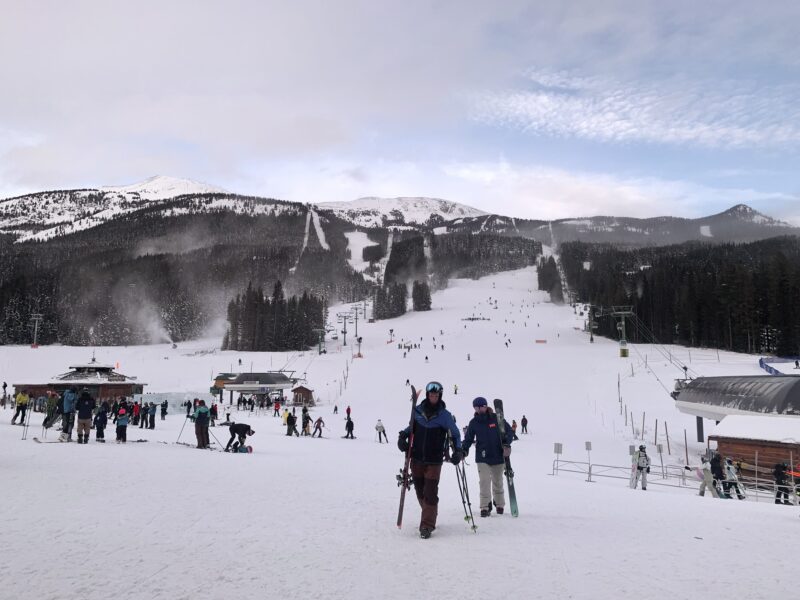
pixel 717 397
pixel 760 427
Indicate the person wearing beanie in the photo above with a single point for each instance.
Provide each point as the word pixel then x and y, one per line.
pixel 122 426
pixel 490 451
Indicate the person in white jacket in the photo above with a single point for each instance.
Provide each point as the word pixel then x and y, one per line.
pixel 381 431
pixel 706 477
pixel 641 467
pixel 731 480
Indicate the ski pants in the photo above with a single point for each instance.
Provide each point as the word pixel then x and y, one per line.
pixel 100 433
pixel 524 429
pixel 382 433
pixel 782 488
pixel 233 437
pixel 21 410
pixel 152 421
pixel 728 485
pixel 201 433
pixel 317 430
pixel 426 485
pixel 643 474
pixel 84 427
pixel 122 433
pixel 491 484
pixel 66 421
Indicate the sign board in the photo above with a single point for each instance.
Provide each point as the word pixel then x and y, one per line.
pixel 588 446
pixel 557 448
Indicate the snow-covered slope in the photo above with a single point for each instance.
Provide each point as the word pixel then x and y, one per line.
pixel 320 513
pixel 162 187
pixel 379 212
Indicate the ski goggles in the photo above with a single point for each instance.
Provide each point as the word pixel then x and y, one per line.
pixel 434 386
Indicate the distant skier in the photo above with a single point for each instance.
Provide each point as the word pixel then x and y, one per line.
pixel 348 427
pixel 641 463
pixel 21 407
pixel 347 411
pixel 514 429
pixel 164 407
pixel 276 409
pixel 381 432
pixel 455 389
pixel 242 430
pixel 524 423
pixel 432 422
pixel 491 451
pixel 336 409
pixel 122 426
pixel 706 478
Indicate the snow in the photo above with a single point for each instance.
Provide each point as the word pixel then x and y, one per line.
pixel 705 230
pixel 318 228
pixel 769 428
pixel 304 517
pixel 162 187
pixel 371 212
pixel 356 242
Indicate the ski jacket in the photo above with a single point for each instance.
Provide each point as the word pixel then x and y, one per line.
pixel 152 410
pixel 641 460
pixel 348 426
pixel 716 468
pixel 201 415
pixel 122 420
pixel 780 474
pixel 22 399
pixel 85 406
pixel 70 398
pixel 379 427
pixel 431 424
pixel 730 473
pixel 484 432
pixel 100 419
pixel 239 429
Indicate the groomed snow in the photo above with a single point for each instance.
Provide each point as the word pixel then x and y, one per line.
pixel 315 518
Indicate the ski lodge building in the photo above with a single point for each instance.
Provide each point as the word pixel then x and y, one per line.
pixel 103 382
pixel 273 382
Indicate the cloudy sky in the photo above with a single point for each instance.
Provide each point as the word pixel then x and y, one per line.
pixel 535 109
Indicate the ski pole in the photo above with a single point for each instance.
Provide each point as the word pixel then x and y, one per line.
pixel 181 432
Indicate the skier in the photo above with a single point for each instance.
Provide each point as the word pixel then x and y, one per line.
pixel 85 407
pixel 151 412
pixel 336 409
pixel 136 410
pixel 238 429
pixel 164 407
pixel 348 427
pixel 779 472
pixel 122 426
pixel 318 425
pixel 347 411
pixel 731 480
pixel 276 409
pixel 432 422
pixel 188 405
pixel 455 389
pixel 490 453
pixel 524 423
pixel 21 407
pixel 642 464
pixel 514 429
pixel 100 422
pixel 291 424
pixel 201 419
pixel 381 432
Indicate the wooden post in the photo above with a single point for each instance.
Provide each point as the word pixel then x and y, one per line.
pixel 655 438
pixel 686 445
pixel 666 429
pixel 643 416
pixel 756 475
pixel 626 415
pixel 633 430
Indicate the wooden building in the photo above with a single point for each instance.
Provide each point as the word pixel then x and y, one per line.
pixel 102 381
pixel 303 396
pixel 758 441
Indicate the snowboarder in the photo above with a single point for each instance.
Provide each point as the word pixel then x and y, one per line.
pixel 122 426
pixel 318 425
pixel 21 407
pixel 779 472
pixel 201 418
pixel 432 422
pixel 641 463
pixel 348 427
pixel 238 429
pixel 85 407
pixel 524 423
pixel 381 432
pixel 731 480
pixel 490 453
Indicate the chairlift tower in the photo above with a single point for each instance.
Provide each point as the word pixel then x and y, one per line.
pixel 343 318
pixel 321 333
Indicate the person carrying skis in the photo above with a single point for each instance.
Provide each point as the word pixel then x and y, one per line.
pixel 716 471
pixel 432 422
pixel 381 432
pixel 642 463
pixel 731 480
pixel 242 430
pixel 348 427
pixel 490 452
pixel 318 425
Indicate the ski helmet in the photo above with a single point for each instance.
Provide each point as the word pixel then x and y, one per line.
pixel 436 387
pixel 642 447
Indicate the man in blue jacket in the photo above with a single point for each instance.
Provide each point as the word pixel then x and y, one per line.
pixel 432 422
pixel 68 402
pixel 490 452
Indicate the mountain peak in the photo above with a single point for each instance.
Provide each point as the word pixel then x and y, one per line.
pixel 161 187
pixel 374 211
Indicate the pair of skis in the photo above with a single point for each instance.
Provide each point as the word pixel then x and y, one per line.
pixel 509 472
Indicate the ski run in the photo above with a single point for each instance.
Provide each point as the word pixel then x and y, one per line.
pixel 305 517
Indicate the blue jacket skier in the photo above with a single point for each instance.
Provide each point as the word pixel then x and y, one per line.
pixel 432 424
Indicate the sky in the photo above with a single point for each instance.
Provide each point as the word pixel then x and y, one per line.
pixel 529 109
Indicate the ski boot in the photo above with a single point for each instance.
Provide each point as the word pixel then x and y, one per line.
pixel 424 533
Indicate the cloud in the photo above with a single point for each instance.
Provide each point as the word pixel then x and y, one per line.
pixel 730 114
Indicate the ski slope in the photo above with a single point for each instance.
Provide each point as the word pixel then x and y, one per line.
pixel 315 518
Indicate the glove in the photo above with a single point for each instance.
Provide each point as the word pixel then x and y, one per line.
pixel 457 456
pixel 648 469
pixel 464 453
pixel 402 442
pixel 506 451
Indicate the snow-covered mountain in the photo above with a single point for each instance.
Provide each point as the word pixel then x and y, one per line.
pixel 381 212
pixel 162 187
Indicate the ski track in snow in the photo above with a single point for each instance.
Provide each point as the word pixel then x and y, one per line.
pixel 318 228
pixel 315 518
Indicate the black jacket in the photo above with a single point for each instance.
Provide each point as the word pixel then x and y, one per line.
pixel 431 424
pixel 240 429
pixel 716 467
pixel 85 406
